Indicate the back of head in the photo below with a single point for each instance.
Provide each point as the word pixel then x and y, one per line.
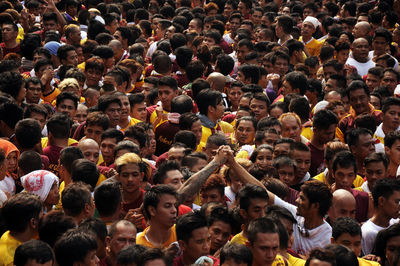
pixel 262 225
pixel 85 171
pixel 59 126
pixel 181 104
pixel 29 161
pixel 240 254
pixel 28 133
pixel 322 255
pixel 74 246
pixel 53 225
pixel 68 155
pixel 33 251
pixel 187 223
pixel 344 256
pixel 130 255
pixel 107 198
pixel 75 197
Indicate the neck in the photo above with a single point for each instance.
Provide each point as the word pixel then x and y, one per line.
pixel 11 44
pixel 386 130
pixel 213 119
pixel 285 37
pixel 187 260
pixel 362 60
pixel 59 142
pixel 360 167
pixel 316 142
pixel 312 221
pixel 392 169
pixel 128 197
pixel 380 218
pixel 47 88
pixel 67 179
pixel 306 38
pixel 158 233
pixel 23 236
pixel 123 122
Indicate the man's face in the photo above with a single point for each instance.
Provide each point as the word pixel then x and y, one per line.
pixel 390 80
pixel 174 178
pixel 391 206
pixel 391 118
pixel 75 36
pixel 130 177
pixel 125 107
pixel 68 107
pixel 212 195
pixel 303 204
pixel 208 41
pixel 326 135
pixel 91 259
pixel 166 94
pixel 220 233
pixel 307 30
pixel 392 245
pixel 342 208
pixel 198 244
pixel 72 58
pixel 90 152
pixel 281 149
pixel 303 161
pixel 138 111
pixel 39 117
pixel 33 93
pixel 351 242
pixel 124 236
pixel 50 25
pixel 8 33
pixel 344 177
pixel 360 49
pixel 176 154
pixel 373 172
pixel 93 76
pixel 372 81
pixel 364 147
pixel 113 111
pixel 241 53
pixel 243 9
pixel 235 24
pixel 166 210
pixel 245 132
pixel 259 108
pixel 281 66
pixel 307 12
pixel 291 128
pixel 342 55
pixel 359 101
pixel 329 71
pixel 211 151
pixel 219 110
pixel 256 209
pixel 113 26
pixel 107 149
pixel 265 248
pixel 394 152
pixel 81 115
pixel 193 26
pixel 94 132
pixel 286 175
pixel 256 17
pixel 379 45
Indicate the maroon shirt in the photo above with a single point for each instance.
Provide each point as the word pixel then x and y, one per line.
pixel 361 205
pixel 317 160
pixel 164 135
pixel 53 153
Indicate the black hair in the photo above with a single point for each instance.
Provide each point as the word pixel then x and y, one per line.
pixel 261 225
pixel 74 246
pixel 187 223
pixel 376 157
pixel 67 95
pixel 29 161
pixel 153 195
pixel 59 125
pixel 85 171
pixel 345 225
pixel 74 198
pixel 161 172
pixel 391 138
pixel 344 256
pixel 318 192
pixel 62 52
pixel 207 98
pixel 68 155
pixel 103 51
pixel 323 119
pixel 250 71
pixel 130 254
pixel 28 133
pixel 95 225
pixel 355 85
pixel 11 83
pixel 384 188
pixel 53 225
pixel 297 80
pixel 106 100
pixel 33 250
pixel 249 192
pixel 344 159
pixel 107 198
pixel 240 254
pixel 183 56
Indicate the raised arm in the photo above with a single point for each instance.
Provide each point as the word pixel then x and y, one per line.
pixel 196 181
pixel 245 176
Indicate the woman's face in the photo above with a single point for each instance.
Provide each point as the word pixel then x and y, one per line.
pixel 54 195
pixel 263 159
pixel 12 162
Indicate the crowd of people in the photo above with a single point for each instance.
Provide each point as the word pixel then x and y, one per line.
pixel 188 132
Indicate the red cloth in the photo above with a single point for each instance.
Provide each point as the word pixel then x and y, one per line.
pixel 317 160
pixel 53 153
pixel 362 201
pixel 229 118
pixel 163 157
pixel 164 135
pixel 16 49
pixel 182 209
pixel 133 205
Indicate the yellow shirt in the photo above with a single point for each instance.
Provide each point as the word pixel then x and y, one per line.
pixel 321 177
pixel 153 118
pixel 307 132
pixel 225 128
pixel 45 142
pixel 364 262
pixel 141 239
pixel 313 46
pixel 295 261
pixel 51 97
pixel 132 121
pixel 8 245
pixel 242 240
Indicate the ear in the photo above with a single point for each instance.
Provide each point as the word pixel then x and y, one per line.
pixel 210 109
pixel 243 214
pixel 387 151
pixel 182 244
pixel 34 223
pixel 152 210
pixel 381 201
pixel 108 241
pixel 88 208
pixel 315 205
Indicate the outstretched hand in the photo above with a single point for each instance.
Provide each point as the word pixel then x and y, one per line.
pixel 222 154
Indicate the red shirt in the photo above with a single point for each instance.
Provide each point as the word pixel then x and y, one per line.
pixel 317 160
pixel 53 153
pixel 16 49
pixel 362 201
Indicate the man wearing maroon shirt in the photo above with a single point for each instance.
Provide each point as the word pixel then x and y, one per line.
pixel 324 125
pixel 9 33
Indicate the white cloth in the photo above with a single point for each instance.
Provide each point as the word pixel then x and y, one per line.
pixel 230 195
pixel 379 131
pixel 3 198
pixel 362 68
pixel 396 63
pixel 39 182
pixel 8 185
pixel 317 237
pixel 312 20
pixel 369 230
pixel 228 38
pixel 365 187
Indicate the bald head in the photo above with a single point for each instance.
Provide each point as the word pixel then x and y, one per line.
pixel 333 96
pixel 90 149
pixel 343 205
pixel 361 29
pixel 217 81
pixel 115 44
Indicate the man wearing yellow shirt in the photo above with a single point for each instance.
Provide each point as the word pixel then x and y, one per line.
pixel 347 232
pixel 309 27
pixel 211 108
pixel 21 214
pixel 160 206
pixel 167 90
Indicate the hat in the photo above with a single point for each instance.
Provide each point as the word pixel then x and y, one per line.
pixel 52 47
pixel 313 21
pixel 39 183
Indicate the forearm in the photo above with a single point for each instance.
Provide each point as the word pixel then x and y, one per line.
pixel 196 181
pixel 247 178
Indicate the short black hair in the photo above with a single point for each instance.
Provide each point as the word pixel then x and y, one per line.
pixel 249 192
pixel 85 171
pixel 35 250
pixel 377 157
pixel 74 246
pixel 297 80
pixel 11 83
pixel 391 138
pixel 187 223
pixel 59 125
pixel 355 85
pixel 384 188
pixel 130 254
pixel 207 98
pixel 261 225
pixel 240 254
pixel 62 52
pixel 107 198
pixel 53 225
pixel 68 155
pixel 323 119
pixel 153 195
pixel 344 225
pixel 67 95
pixel 250 71
pixel 28 133
pixel 344 159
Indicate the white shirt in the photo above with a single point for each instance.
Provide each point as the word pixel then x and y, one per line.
pixel 379 131
pixel 8 185
pixel 396 63
pixel 317 237
pixel 362 68
pixel 230 195
pixel 369 230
